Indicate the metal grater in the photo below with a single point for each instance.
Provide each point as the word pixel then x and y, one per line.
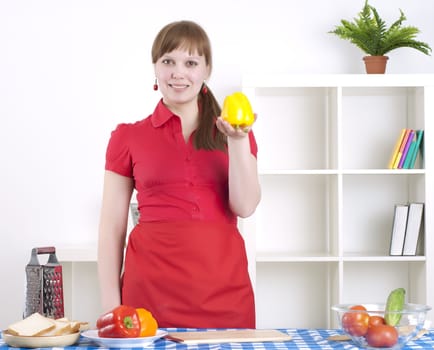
pixel 44 292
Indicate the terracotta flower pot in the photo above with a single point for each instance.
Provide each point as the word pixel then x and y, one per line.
pixel 375 64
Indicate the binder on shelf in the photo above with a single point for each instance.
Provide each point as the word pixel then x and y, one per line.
pixel 398 229
pixel 417 149
pixel 406 148
pixel 401 149
pixel 396 148
pixel 411 151
pixel 412 233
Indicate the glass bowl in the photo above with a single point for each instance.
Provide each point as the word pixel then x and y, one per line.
pixel 356 323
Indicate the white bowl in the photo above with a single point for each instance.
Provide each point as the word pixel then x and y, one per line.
pixel 40 342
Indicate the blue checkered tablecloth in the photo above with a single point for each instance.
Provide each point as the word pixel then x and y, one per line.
pixel 302 339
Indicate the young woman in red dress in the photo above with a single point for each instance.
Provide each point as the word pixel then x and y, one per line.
pixel 194 175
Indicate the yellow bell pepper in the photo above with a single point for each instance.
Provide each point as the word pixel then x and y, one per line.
pixel 237 110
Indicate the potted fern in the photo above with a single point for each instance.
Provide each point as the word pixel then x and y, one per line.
pixel 369 32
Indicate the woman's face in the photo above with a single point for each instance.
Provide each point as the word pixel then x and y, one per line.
pixel 180 76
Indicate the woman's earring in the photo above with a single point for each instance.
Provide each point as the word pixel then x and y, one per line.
pixel 155 85
pixel 204 88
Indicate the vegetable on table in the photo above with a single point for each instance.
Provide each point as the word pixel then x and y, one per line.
pixel 237 110
pixel 394 306
pixel 356 321
pixel 382 336
pixel 376 320
pixel 148 324
pixel 121 322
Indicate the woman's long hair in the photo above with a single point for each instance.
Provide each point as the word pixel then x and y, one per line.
pixel 192 37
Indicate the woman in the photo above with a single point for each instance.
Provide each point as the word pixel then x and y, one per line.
pixel 194 174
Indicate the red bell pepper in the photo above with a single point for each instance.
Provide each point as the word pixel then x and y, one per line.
pixel 121 322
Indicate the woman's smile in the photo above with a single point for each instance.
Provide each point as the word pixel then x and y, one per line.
pixel 178 86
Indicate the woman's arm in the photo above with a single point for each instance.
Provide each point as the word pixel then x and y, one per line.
pixel 244 188
pixel 112 232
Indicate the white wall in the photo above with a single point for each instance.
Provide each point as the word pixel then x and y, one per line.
pixel 71 70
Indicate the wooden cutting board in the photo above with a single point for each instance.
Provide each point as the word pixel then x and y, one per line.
pixel 228 336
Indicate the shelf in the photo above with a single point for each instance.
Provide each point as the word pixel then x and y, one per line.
pixel 383 172
pixel 272 172
pixel 322 230
pixel 275 257
pixel 271 257
pixel 386 258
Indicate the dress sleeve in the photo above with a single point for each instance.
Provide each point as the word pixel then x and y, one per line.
pixel 253 145
pixel 118 155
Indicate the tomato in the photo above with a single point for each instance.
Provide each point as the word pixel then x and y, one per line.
pixel 376 320
pixel 148 324
pixel 382 335
pixel 356 322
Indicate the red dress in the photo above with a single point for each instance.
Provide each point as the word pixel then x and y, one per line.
pixel 185 260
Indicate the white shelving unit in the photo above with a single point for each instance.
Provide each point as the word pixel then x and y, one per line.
pixel 321 233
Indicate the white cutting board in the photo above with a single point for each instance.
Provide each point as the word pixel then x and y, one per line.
pixel 228 336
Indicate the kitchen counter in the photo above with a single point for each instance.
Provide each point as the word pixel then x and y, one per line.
pixel 302 339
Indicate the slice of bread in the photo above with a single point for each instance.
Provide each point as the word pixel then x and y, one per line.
pixel 31 326
pixel 84 326
pixel 76 326
pixel 60 328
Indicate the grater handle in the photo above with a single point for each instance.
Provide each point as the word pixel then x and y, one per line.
pixel 42 250
pixel 45 250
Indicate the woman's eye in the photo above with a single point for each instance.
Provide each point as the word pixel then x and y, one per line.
pixel 166 61
pixel 191 63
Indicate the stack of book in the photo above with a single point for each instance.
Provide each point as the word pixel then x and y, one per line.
pixel 406 149
pixel 407 225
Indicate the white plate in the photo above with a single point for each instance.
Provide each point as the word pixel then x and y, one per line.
pixel 122 342
pixel 40 342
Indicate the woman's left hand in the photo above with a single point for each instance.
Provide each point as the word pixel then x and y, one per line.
pixel 231 131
